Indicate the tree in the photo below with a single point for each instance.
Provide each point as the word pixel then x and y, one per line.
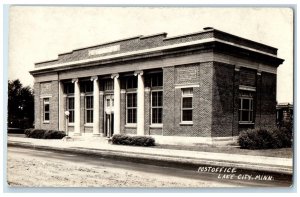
pixel 20 105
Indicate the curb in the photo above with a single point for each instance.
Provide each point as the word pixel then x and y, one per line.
pixel 162 160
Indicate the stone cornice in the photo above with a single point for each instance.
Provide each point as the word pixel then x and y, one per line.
pixel 156 52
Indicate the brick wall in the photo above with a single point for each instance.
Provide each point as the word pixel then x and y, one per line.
pixel 71 129
pixel 258 101
pixel 268 100
pixel 241 41
pixel 188 38
pixel 168 100
pixel 236 83
pixel 88 129
pixel 126 45
pixel 50 90
pixel 222 99
pixel 196 74
pixel 54 109
pixel 130 131
pixel 215 101
pixel 147 112
pixel 187 74
pixel 155 131
pixel 46 88
pixel 146 42
pixel 37 106
pixel 248 77
pixel 184 129
pixel 206 85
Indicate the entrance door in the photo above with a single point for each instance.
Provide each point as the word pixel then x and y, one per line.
pixel 109 115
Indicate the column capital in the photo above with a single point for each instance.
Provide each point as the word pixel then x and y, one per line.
pixel 94 78
pixel 75 80
pixel 259 72
pixel 115 75
pixel 237 68
pixel 138 72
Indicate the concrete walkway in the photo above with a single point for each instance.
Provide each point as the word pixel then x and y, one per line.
pixel 99 146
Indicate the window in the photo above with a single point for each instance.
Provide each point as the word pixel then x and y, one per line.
pixel 46 110
pixel 187 105
pixel 131 82
pixel 108 102
pixel 156 106
pixel 86 86
pixel 70 108
pixel 89 109
pixel 157 80
pixel 131 107
pixel 108 85
pixel 156 83
pixel 131 100
pixel 69 88
pixel 246 110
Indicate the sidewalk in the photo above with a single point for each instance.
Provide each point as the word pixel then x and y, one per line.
pixel 100 147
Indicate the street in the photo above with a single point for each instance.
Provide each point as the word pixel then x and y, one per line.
pixel 37 168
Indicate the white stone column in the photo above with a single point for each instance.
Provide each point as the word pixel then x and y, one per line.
pixel 77 107
pixel 96 117
pixel 140 103
pixel 61 107
pixel 117 104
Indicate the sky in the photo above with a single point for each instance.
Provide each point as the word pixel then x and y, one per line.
pixel 41 33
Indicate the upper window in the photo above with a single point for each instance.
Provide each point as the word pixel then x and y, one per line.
pixel 70 108
pixel 89 109
pixel 86 86
pixel 69 88
pixel 245 110
pixel 131 107
pixel 131 82
pixel 157 80
pixel 108 85
pixel 46 109
pixel 187 105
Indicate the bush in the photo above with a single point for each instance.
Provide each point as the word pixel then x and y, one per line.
pixel 265 139
pixel 44 134
pixel 133 140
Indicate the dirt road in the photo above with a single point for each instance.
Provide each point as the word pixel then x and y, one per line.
pixel 36 168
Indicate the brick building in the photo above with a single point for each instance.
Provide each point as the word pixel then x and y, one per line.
pixel 284 114
pixel 205 84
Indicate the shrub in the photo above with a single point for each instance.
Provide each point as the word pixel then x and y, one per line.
pixel 283 137
pixel 133 140
pixel 44 134
pixel 265 139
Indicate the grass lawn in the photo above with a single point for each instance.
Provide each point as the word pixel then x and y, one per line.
pixel 282 152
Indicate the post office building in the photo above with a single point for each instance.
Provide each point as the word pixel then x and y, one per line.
pixel 199 85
